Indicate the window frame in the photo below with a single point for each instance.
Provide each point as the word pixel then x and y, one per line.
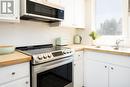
pixel 112 38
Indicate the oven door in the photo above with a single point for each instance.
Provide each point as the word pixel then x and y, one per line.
pixel 53 74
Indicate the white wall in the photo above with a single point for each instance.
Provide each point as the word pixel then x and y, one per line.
pixel 32 33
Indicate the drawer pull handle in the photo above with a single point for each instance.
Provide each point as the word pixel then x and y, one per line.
pixel 74 64
pixel 13 73
pixel 27 82
pixel 112 68
pixel 105 66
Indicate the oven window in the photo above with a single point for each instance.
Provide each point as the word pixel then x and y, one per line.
pixel 57 77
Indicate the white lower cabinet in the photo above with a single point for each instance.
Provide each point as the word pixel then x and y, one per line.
pixel 100 73
pixel 15 75
pixel 96 74
pixel 25 82
pixel 78 69
pixel 119 76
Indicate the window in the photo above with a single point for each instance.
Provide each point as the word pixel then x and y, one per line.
pixel 110 19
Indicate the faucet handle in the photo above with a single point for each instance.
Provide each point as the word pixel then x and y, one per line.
pixel 119 40
pixel 117 44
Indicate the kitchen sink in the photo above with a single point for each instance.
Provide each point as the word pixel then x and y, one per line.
pixel 124 49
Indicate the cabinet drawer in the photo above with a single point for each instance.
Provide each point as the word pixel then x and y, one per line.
pixel 108 58
pixel 25 82
pixel 78 55
pixel 14 72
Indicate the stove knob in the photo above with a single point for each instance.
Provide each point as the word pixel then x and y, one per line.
pixel 44 56
pixel 64 52
pixel 67 52
pixel 49 56
pixel 40 58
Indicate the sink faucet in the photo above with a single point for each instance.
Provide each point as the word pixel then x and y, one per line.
pixel 116 47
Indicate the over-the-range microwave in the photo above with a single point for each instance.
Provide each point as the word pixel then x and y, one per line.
pixel 41 10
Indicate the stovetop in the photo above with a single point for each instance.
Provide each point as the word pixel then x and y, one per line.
pixel 43 50
pixel 45 53
pixel 38 49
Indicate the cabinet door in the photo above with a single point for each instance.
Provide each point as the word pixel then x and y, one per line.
pixel 119 76
pixel 96 74
pixel 79 13
pixel 10 10
pixel 18 83
pixel 14 72
pixel 78 70
pixel 78 73
pixel 69 13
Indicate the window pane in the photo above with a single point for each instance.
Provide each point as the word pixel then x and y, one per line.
pixel 109 15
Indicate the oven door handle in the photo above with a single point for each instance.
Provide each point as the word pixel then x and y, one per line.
pixel 52 65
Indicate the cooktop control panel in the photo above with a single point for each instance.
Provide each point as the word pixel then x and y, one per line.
pixel 50 56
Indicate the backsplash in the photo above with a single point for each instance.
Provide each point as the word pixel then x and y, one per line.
pixel 32 33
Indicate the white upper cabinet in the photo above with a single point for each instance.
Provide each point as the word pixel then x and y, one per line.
pixel 74 15
pixel 10 11
pixel 74 11
pixel 79 13
pixel 69 13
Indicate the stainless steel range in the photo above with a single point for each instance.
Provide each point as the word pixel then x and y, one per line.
pixel 51 65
